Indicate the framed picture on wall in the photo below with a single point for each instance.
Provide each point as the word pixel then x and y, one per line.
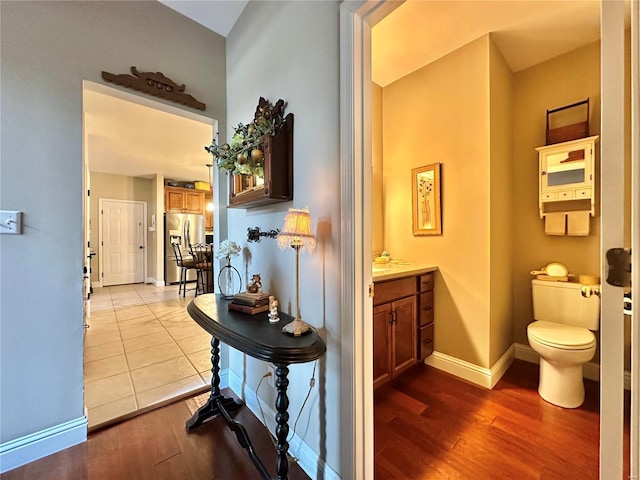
pixel 425 189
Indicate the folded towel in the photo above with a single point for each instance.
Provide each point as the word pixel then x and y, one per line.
pixel 554 223
pixel 578 223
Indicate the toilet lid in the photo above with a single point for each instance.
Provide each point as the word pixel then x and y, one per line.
pixel 561 336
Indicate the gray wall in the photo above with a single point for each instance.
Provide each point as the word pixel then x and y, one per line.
pixel 296 59
pixel 47 50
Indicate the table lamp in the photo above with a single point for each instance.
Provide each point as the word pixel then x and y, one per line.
pixel 296 233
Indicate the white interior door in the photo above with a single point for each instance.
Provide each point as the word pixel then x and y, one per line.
pixel 613 220
pixel 122 241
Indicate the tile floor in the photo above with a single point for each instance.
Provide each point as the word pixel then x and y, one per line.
pixel 141 350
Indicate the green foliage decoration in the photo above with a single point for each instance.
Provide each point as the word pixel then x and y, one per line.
pixel 245 153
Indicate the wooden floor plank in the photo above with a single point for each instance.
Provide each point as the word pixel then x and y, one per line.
pixel 466 431
pixel 156 445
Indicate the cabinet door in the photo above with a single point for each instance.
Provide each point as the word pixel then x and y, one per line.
pixel 381 344
pixel 405 344
pixel 173 200
pixel 194 202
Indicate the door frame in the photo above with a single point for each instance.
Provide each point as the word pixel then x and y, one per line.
pixel 356 20
pixel 634 459
pixel 101 232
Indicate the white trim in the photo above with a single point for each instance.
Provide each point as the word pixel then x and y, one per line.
pixel 154 282
pixel 484 377
pixel 115 92
pixel 96 284
pixel 634 380
pixel 308 459
pixel 590 370
pixel 29 448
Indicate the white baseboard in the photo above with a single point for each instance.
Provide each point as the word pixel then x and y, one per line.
pixel 484 377
pixel 154 282
pixel 590 370
pixel 308 459
pixel 18 452
pixel 96 284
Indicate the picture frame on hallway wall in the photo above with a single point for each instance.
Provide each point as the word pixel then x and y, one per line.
pixel 425 189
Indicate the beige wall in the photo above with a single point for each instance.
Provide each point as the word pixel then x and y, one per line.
pixel 440 113
pixel 470 112
pixel 560 81
pixel 117 187
pixel 500 214
pixel 377 184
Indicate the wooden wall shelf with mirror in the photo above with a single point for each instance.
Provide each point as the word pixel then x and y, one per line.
pixel 248 191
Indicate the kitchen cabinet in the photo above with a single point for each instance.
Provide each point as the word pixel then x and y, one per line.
pixel 394 329
pixel 208 213
pixel 247 191
pixel 566 179
pixel 184 200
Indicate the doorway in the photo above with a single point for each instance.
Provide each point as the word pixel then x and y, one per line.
pixel 356 23
pixel 141 349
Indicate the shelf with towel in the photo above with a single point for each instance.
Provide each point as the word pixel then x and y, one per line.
pixel 567 187
pixel 572 223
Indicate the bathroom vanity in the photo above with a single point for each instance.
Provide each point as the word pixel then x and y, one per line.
pixel 403 318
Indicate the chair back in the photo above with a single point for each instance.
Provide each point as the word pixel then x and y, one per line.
pixel 177 253
pixel 201 253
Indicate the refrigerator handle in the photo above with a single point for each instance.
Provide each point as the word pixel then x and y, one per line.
pixel 187 238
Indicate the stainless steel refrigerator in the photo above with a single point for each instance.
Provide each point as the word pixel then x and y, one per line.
pixel 185 229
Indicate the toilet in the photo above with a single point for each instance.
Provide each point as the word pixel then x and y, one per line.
pixel 565 316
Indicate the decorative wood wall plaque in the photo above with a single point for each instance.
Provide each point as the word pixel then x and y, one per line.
pixel 155 84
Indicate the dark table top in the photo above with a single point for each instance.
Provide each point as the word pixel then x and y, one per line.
pixel 253 334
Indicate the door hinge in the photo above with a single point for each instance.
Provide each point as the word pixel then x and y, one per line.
pixel 371 290
pixel 619 263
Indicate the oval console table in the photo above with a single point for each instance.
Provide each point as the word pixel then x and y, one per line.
pixel 255 336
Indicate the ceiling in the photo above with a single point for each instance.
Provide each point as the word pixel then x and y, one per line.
pixel 526 32
pixel 126 138
pixel 135 140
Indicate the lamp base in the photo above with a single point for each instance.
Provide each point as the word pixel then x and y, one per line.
pixel 296 328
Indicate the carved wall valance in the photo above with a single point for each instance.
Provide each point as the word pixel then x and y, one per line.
pixel 155 84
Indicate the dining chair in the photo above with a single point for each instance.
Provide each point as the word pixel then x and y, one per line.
pixel 202 256
pixel 185 265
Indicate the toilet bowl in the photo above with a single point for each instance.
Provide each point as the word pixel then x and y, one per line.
pixel 562 349
pixel 565 316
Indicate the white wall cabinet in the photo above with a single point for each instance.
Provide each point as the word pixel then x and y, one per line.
pixel 567 176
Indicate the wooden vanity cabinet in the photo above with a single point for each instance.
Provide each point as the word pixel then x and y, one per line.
pixel 426 316
pixel 394 328
pixel 403 316
pixel 183 200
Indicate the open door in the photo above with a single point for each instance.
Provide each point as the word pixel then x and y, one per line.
pixel 618 214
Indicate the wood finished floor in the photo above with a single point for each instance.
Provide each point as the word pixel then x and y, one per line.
pixel 428 425
pixel 156 446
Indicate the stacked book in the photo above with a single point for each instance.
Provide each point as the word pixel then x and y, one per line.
pixel 250 303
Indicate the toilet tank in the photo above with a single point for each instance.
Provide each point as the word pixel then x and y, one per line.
pixel 563 302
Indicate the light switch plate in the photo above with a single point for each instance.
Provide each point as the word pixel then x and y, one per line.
pixel 10 222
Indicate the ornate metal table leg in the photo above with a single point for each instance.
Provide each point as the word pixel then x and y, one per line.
pixel 211 408
pixel 282 419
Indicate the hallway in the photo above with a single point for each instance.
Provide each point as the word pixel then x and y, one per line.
pixel 142 350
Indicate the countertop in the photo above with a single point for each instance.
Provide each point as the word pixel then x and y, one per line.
pixel 391 271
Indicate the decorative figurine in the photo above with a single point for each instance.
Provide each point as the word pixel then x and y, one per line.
pixel 273 310
pixel 255 285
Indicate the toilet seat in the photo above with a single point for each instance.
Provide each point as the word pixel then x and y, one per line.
pixel 565 337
